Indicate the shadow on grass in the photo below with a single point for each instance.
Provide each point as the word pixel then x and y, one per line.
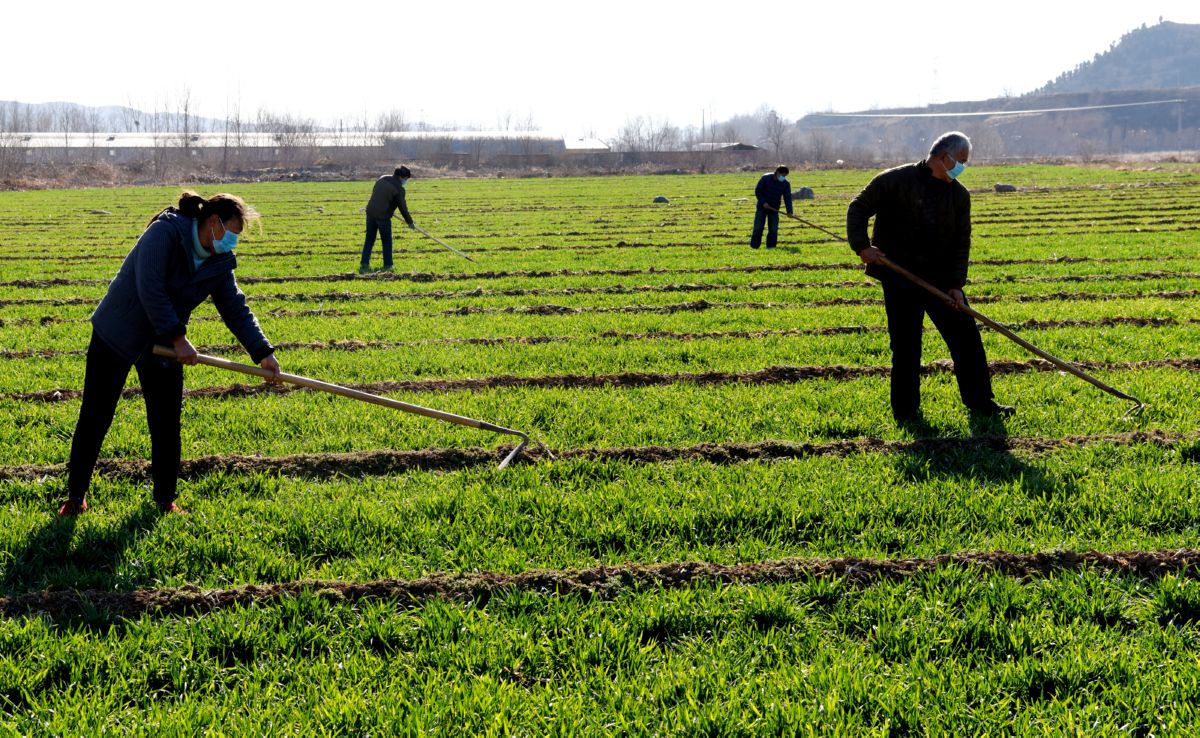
pixel 983 456
pixel 53 557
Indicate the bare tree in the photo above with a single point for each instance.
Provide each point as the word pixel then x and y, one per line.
pixel 93 122
pixel 290 132
pixel 392 121
pixel 820 146
pixel 68 118
pixel 528 123
pixel 157 125
pixel 12 144
pixel 645 134
pixel 233 140
pixel 776 130
pixel 631 136
pixel 183 117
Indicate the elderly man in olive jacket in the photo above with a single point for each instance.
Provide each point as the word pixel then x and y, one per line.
pixel 386 197
pixel 923 223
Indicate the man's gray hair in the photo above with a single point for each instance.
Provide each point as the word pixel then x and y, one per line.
pixel 954 143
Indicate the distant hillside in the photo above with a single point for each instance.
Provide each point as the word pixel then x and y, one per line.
pixel 1159 57
pixel 1110 105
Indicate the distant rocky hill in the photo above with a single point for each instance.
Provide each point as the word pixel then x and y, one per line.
pixel 1148 58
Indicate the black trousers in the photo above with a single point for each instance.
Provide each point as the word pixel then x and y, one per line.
pixel 162 388
pixel 906 305
pixel 770 219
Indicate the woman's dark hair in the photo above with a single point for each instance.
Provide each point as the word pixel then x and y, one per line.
pixel 402 172
pixel 224 205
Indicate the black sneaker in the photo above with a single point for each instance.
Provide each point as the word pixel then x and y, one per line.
pixel 914 422
pixel 994 410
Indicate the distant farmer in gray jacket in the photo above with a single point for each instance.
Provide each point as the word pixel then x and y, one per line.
pixel 387 195
pixel 184 256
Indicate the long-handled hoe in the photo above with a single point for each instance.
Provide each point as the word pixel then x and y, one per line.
pixel 354 394
pixel 1134 411
pixel 443 243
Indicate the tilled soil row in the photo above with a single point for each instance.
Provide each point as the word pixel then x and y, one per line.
pixel 351 345
pixel 386 462
pixel 704 305
pixel 707 241
pixel 601 582
pixel 630 380
pixel 620 289
pixel 694 306
pixel 422 277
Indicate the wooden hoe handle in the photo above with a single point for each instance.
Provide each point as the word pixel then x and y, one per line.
pixel 337 389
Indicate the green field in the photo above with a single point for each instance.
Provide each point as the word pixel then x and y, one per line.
pixel 732 538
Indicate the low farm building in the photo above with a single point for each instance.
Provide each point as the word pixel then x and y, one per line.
pixel 264 149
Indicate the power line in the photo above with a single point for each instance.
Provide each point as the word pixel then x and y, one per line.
pixel 993 113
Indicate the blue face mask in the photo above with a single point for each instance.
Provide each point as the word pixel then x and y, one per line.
pixel 956 170
pixel 226 243
pixel 781 177
pixel 404 183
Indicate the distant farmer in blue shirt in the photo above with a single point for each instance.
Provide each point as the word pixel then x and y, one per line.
pixel 184 257
pixel 771 187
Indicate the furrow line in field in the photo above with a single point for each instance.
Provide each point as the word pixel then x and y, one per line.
pixel 630 380
pixel 389 462
pixel 551 309
pixel 622 289
pixel 600 582
pixel 40 284
pixel 722 240
pixel 352 345
pixel 628 272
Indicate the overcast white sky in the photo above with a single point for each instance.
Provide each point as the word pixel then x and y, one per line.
pixel 575 68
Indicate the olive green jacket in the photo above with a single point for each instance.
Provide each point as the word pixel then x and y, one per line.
pixel 386 197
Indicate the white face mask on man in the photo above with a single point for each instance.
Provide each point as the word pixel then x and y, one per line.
pixel 956 170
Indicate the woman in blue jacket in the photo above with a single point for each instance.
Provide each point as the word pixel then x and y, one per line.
pixel 184 257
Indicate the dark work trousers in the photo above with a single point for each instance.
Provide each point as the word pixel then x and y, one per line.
pixel 906 306
pixel 771 219
pixel 384 227
pixel 162 389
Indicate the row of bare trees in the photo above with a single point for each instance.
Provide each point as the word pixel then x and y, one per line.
pixel 764 128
